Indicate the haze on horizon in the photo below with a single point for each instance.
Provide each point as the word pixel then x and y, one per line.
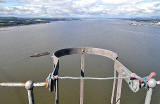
pixel 80 8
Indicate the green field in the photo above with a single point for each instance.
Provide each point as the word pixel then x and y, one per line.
pixel 4 23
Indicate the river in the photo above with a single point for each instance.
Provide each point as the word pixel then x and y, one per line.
pixel 138 48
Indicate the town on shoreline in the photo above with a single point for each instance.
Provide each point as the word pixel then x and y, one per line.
pixel 145 21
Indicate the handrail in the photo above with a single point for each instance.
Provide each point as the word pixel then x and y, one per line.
pixel 134 81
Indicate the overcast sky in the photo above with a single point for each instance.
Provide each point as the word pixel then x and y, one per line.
pixel 80 8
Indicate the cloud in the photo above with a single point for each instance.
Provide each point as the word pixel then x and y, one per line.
pixel 80 8
pixel 1 0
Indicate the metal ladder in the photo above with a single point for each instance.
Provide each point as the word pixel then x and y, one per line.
pixel 134 81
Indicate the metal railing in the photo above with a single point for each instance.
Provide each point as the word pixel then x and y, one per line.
pixel 134 81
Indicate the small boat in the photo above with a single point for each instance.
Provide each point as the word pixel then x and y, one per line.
pixel 40 54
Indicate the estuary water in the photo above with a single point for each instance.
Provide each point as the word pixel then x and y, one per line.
pixel 138 48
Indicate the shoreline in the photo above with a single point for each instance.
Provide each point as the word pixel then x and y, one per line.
pixel 135 23
pixel 7 28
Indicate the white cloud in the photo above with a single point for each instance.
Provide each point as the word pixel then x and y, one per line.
pixel 82 3
pixel 56 8
pixel 116 1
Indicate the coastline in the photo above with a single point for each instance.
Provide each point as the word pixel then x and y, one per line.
pixel 7 28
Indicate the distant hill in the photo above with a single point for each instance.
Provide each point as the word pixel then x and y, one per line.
pixel 15 21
